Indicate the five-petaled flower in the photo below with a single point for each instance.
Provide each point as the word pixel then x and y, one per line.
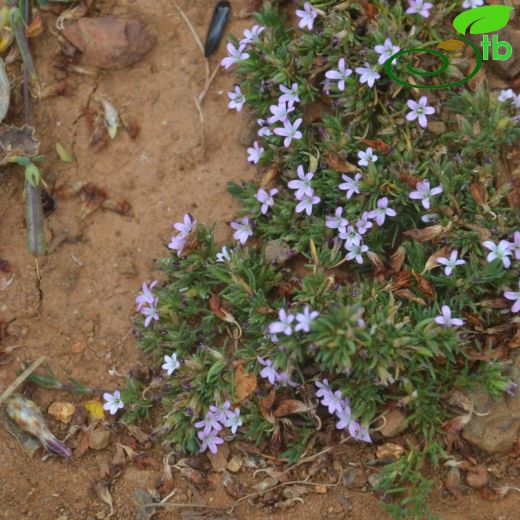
pixel 280 113
pixel 170 364
pixel 501 251
pixel 302 185
pixel 233 420
pixel 146 297
pixel 306 204
pixel 356 252
pixel 235 54
pixel 339 75
pixel 210 440
pixel 307 16
pixel 305 319
pixel 382 211
pixel 451 262
pixel 255 153
pixel 419 7
pixel 336 221
pixel 242 229
pixel 351 186
pixel 446 320
pixel 364 223
pixel 289 131
pixel 268 372
pixel 351 236
pixel 367 157
pixel 419 110
pixel 283 324
pixel 252 35
pixel 386 51
pixel 184 228
pixel 113 402
pixel 289 95
pixel 515 297
pixel 367 74
pixel 266 199
pixel 237 99
pixel 424 193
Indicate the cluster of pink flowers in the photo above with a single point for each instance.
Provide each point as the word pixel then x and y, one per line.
pixel 270 373
pixel 184 229
pixel 304 193
pixel 216 418
pixel 352 234
pixel 147 303
pixel 237 54
pixel 340 407
pixel 284 324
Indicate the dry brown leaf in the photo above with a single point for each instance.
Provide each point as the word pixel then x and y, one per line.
pixel 290 406
pixel 376 262
pixel 425 234
pixel 432 261
pixel 266 405
pixel 377 144
pixel 339 164
pixel 425 286
pixel 514 343
pixel 269 177
pixel 479 193
pixel 409 295
pixel 217 308
pixel 456 423
pixel 400 281
pixel 397 260
pixel 245 383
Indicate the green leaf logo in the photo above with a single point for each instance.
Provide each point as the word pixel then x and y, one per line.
pixel 485 19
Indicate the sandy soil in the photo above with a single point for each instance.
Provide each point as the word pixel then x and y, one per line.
pixel 80 313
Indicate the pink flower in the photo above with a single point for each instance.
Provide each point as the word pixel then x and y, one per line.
pixel 146 297
pixel 289 131
pixel 351 186
pixel 237 99
pixel 351 236
pixel 367 74
pixel 235 54
pixel 515 297
pixel 367 157
pixel 184 228
pixel 283 324
pixel 252 35
pixel 268 372
pixel 363 223
pixel 501 252
pixel 243 230
pixel 339 75
pixel 266 199
pixel 306 204
pixel 515 245
pixel 450 263
pixel 255 153
pixel 337 221
pixel 356 252
pixel 419 7
pixel 419 110
pixel 307 16
pixel 424 193
pixel 210 440
pixel 305 319
pixel 382 211
pixel 289 95
pixel 303 184
pixel 446 320
pixel 280 113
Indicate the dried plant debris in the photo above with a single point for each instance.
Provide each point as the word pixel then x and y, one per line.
pixel 26 415
pixel 93 197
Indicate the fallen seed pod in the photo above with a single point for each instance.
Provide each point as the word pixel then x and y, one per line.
pixel 29 418
pixel 216 27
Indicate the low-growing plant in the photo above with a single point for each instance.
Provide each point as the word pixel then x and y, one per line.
pixel 374 265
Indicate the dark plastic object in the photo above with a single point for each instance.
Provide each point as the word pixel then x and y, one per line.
pixel 216 27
